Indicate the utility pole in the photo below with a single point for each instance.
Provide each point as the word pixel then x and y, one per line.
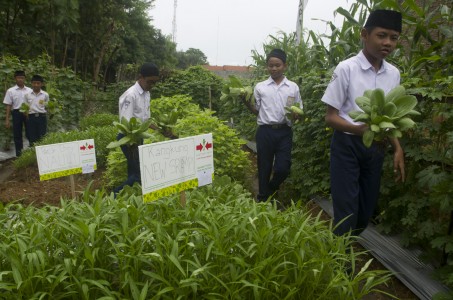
pixel 300 20
pixel 173 34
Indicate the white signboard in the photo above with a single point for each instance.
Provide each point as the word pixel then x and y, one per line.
pixel 58 160
pixel 173 166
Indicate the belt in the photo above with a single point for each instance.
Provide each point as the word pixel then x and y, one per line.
pixel 275 126
pixel 37 115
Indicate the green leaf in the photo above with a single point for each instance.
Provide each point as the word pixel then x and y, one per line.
pixel 124 140
pixel 355 114
pixel 390 109
pixel 363 117
pixel 395 93
pixel 378 99
pixel 375 128
pixel 405 123
pixel 384 125
pixel 395 133
pixel 404 104
pixel 367 138
pixel 368 93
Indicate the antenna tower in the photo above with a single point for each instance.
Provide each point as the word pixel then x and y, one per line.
pixel 173 34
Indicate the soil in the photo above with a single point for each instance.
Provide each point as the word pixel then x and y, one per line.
pixel 24 186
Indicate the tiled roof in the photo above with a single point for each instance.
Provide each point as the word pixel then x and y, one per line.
pixel 228 68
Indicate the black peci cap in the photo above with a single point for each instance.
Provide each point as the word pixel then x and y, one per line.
pixel 388 19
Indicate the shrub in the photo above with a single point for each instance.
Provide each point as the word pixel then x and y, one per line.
pixel 229 158
pixel 97 120
pixel 203 86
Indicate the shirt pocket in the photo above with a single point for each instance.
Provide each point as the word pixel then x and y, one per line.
pixel 290 100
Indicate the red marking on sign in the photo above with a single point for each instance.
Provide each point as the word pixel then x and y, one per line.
pixel 199 147
pixel 90 146
pixel 82 148
pixel 208 145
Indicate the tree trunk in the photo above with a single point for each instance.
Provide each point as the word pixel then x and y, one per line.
pixel 65 52
pixel 104 46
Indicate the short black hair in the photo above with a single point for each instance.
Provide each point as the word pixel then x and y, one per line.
pixel 149 69
pixel 19 73
pixel 37 78
pixel 278 53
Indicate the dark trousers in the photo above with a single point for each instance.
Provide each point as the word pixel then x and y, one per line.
pixel 355 175
pixel 37 127
pixel 19 123
pixel 133 165
pixel 273 147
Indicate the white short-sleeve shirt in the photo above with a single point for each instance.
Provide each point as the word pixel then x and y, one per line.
pixel 271 99
pixel 37 101
pixel 15 96
pixel 135 102
pixel 352 77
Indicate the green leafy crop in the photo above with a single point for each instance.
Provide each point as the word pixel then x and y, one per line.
pixel 134 131
pixel 386 115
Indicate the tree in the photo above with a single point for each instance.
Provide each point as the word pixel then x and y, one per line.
pixel 95 38
pixel 191 57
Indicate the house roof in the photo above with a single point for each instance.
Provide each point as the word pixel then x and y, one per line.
pixel 244 69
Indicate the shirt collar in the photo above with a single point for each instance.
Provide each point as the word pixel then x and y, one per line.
pixel 270 81
pixel 365 64
pixel 139 88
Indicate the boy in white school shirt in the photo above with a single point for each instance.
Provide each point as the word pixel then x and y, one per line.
pixel 355 170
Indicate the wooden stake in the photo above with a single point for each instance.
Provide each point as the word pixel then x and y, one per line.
pixel 71 180
pixel 183 198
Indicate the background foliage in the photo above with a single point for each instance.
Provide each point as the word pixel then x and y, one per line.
pixel 62 84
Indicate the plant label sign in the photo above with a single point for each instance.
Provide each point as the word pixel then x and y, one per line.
pixel 64 159
pixel 173 166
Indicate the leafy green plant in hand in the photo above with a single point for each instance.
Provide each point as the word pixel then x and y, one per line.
pixel 24 108
pixel 234 90
pixel 294 112
pixel 134 131
pixel 386 115
pixel 166 121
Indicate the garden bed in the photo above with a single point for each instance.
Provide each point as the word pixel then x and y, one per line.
pixel 24 186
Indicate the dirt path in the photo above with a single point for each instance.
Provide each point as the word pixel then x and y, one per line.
pixel 7 168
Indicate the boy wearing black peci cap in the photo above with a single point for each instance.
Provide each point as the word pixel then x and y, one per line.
pixel 14 98
pixel 355 170
pixel 37 99
pixel 274 134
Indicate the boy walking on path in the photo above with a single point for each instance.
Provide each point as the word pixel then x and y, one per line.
pixel 355 171
pixel 135 103
pixel 14 98
pixel 37 99
pixel 274 136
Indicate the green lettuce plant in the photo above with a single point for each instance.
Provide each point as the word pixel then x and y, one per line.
pixel 134 132
pixel 386 115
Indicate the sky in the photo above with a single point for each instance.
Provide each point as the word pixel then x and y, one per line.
pixel 226 31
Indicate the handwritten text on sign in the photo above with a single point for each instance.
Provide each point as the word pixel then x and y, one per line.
pixel 172 166
pixel 58 160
